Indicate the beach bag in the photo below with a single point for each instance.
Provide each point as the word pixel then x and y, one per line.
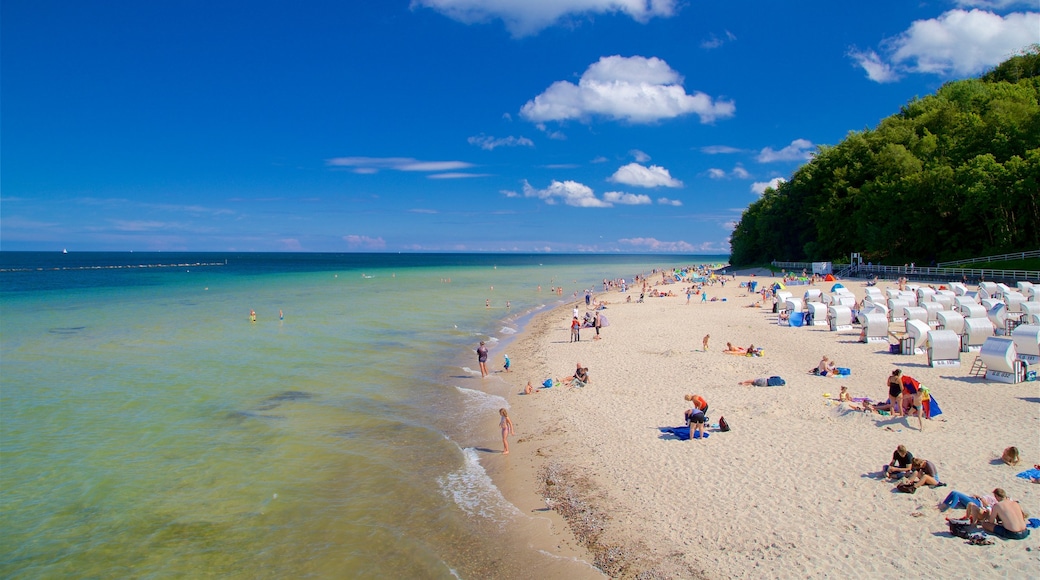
pixel 775 382
pixel 906 488
pixel 723 425
pixel 547 383
pixel 960 528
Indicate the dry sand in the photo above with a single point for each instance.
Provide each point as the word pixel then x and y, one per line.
pixel 793 490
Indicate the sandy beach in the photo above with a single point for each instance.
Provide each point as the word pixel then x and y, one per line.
pixel 793 490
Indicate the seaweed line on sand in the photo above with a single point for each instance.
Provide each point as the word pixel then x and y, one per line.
pixel 574 497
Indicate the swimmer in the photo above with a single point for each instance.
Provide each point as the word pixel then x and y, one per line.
pixel 487 303
pixel 281 316
pixel 252 315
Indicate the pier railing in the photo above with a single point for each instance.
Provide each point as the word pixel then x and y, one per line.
pixel 938 274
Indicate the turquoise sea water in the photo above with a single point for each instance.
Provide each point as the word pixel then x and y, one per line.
pixel 148 429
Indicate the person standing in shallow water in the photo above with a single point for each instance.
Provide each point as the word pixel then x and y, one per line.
pixel 482 354
pixel 507 429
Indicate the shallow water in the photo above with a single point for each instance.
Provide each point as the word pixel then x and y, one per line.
pixel 149 429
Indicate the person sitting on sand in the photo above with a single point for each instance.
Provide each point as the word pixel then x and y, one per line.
pixel 580 378
pixel 1010 456
pixel 759 382
pixel 730 349
pixel 529 388
pixel 925 473
pixel 752 351
pixel 901 464
pixel 1006 518
pixel 826 367
pixel 844 395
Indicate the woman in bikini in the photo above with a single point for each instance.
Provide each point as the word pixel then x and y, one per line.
pixel 507 429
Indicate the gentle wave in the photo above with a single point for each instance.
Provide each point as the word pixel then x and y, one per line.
pixel 471 488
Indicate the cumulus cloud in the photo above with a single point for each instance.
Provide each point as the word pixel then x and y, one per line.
pixel 654 245
pixel 716 173
pixel 622 198
pixel 639 156
pixel 526 17
pixel 642 176
pixel 633 89
pixel 569 192
pixel 957 43
pixel 798 150
pixel 877 71
pixel 760 187
pixel 489 143
pixel 355 241
pixel 666 201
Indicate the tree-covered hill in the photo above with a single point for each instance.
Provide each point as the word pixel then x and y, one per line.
pixel 952 175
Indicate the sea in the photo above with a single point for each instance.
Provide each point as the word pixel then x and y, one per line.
pixel 151 428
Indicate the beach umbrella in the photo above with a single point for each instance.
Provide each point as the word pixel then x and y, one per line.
pixel 779 286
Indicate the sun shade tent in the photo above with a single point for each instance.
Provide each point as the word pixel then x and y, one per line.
pixel 1027 342
pixel 917 330
pixel 972 310
pixel 875 327
pixel 950 320
pixel 1014 300
pixel 976 331
pixel 987 290
pixel 1001 360
pixel 895 309
pixel 1031 312
pixel 915 313
pixel 944 348
pixel 839 317
pixel 819 313
pixel 932 309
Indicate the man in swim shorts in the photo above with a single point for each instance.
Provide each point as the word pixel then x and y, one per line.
pixel 1006 518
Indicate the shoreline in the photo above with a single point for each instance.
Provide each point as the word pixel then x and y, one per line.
pixel 790 492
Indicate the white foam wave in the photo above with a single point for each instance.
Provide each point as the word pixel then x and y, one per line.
pixel 470 371
pixel 479 401
pixel 507 330
pixel 492 339
pixel 472 490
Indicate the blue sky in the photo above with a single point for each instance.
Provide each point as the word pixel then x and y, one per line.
pixel 447 125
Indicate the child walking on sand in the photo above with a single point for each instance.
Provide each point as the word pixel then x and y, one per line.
pixel 507 429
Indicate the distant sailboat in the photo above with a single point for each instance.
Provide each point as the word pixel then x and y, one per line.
pixel 64 251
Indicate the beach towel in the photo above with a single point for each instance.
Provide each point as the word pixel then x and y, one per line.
pixel 1029 474
pixel 933 407
pixel 682 432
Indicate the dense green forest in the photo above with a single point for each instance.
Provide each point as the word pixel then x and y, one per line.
pixel 952 175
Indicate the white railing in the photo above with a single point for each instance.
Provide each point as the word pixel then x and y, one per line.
pixel 1000 258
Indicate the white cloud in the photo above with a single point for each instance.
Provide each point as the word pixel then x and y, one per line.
pixel 634 89
pixel 877 71
pixel 641 176
pixel 355 241
pixel 456 175
pixel 626 198
pixel 714 41
pixel 998 4
pixel 525 17
pixel 740 173
pixel 375 164
pixel 570 192
pixel 639 156
pixel 716 173
pixel 489 143
pixel 760 187
pixel 717 149
pixel 957 43
pixel 655 245
pixel 798 150
pixel 666 201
